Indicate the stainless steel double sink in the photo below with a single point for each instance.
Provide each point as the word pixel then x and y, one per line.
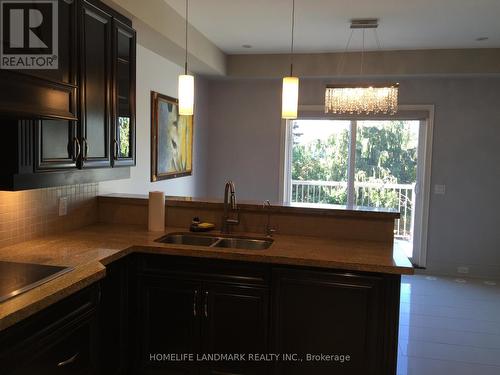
pixel 234 242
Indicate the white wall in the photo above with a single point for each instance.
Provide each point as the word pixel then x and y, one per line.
pixel 244 144
pixel 155 73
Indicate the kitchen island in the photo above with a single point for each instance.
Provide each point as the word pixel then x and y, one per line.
pixel 330 304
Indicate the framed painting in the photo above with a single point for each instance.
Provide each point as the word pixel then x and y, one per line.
pixel 171 139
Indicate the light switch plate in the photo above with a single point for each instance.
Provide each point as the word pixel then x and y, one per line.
pixel 439 189
pixel 63 206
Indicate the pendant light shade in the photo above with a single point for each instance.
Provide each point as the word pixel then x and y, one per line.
pixel 186 83
pixel 186 94
pixel 290 98
pixel 290 89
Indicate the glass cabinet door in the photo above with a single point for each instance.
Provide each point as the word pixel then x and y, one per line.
pixel 124 95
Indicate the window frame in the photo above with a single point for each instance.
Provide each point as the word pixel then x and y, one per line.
pixel 425 114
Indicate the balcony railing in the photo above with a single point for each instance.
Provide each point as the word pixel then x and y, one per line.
pixel 368 194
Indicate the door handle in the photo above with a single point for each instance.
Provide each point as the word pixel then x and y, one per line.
pixel 78 148
pixel 205 307
pixel 195 302
pixel 68 361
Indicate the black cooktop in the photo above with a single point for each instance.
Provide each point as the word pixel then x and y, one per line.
pixel 16 278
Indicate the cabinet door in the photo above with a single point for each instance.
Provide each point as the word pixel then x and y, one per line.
pixel 95 76
pixel 114 318
pixel 168 322
pixel 235 321
pixel 56 145
pixel 123 133
pixel 47 93
pixel 327 313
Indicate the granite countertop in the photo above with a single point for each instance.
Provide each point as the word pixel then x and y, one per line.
pixel 91 248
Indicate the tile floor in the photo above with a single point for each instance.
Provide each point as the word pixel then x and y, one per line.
pixel 449 326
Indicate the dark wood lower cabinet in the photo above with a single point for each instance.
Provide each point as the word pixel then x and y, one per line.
pixel 162 314
pixel 205 307
pixel 63 339
pixel 342 315
pixel 70 351
pixel 114 318
pixel 200 308
pixel 236 321
pixel 168 323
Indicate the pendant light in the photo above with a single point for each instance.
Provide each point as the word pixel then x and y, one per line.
pixel 186 82
pixel 362 98
pixel 290 90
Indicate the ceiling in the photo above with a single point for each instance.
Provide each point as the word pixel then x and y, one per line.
pixel 323 25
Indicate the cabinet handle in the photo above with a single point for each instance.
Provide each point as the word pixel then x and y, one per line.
pixel 205 308
pixel 68 361
pixel 78 148
pixel 115 149
pixel 86 148
pixel 195 301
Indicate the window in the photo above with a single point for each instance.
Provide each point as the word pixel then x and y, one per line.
pixel 372 163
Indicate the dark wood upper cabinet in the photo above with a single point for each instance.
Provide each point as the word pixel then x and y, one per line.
pixel 46 93
pixel 95 86
pixel 123 129
pixel 56 145
pixel 79 117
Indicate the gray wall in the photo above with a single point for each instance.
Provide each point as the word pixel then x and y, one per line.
pixel 244 145
pixel 244 138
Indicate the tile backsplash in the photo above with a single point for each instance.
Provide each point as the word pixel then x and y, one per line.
pixel 32 213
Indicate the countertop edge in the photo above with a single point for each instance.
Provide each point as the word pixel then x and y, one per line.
pixel 48 294
pixel 335 211
pixel 178 250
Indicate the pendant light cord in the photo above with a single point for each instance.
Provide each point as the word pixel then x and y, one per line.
pixel 291 46
pixel 340 65
pixel 186 49
pixel 362 54
pixel 377 39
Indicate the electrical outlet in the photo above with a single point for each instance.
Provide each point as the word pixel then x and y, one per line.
pixel 63 206
pixel 440 189
pixel 463 269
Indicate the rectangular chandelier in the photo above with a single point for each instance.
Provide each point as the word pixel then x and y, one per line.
pixel 362 99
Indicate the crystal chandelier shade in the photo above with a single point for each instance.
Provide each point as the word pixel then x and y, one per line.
pixel 362 99
pixel 381 99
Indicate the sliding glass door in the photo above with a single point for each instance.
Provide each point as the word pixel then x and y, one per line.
pixel 372 163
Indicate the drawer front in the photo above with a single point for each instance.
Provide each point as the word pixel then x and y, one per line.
pixel 205 269
pixel 69 351
pixel 52 335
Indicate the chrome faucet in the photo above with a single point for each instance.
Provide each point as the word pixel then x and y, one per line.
pixel 269 230
pixel 229 200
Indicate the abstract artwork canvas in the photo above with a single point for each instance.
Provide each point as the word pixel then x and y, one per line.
pixel 171 139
